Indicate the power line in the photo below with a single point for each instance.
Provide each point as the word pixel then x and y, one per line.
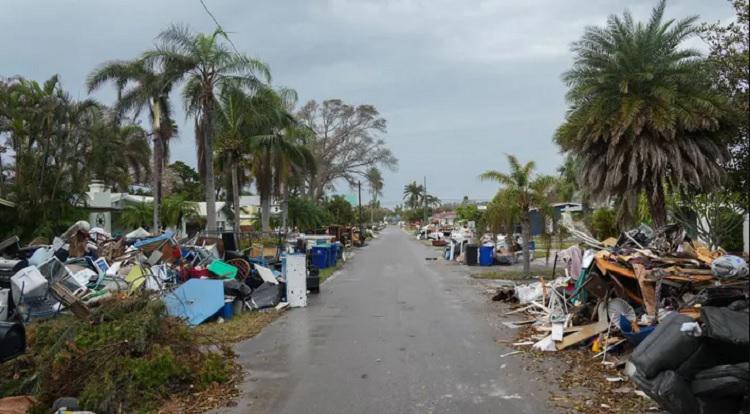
pixel 221 29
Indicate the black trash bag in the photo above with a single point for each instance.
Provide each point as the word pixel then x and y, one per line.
pixel 670 391
pixel 266 295
pixel 723 381
pixel 738 305
pixel 710 354
pixel 721 406
pixel 666 348
pixel 726 325
pixel 718 296
pixel 234 287
pixel 674 394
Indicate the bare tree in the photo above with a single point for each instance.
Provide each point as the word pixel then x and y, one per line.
pixel 347 142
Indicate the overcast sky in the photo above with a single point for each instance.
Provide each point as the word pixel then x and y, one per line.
pixel 460 82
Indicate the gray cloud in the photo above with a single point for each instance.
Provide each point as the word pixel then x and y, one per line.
pixel 460 82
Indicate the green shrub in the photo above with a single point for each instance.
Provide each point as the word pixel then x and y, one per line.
pixel 604 223
pixel 132 359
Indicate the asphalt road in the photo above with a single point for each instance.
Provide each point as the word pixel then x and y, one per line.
pixel 390 333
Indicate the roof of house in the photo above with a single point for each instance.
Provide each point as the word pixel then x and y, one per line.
pixel 444 215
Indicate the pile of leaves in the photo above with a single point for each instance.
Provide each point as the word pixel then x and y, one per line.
pixel 581 382
pixel 131 359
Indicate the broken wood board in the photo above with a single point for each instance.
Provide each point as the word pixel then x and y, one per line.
pixel 648 289
pixel 519 310
pixel 586 332
pixel 519 324
pixel 567 330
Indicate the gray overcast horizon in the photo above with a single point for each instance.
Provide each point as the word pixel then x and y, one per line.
pixel 460 83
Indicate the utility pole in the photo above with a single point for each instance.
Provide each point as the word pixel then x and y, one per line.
pixel 424 199
pixel 361 226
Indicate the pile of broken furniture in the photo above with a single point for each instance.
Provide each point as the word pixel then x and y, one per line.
pixel 670 312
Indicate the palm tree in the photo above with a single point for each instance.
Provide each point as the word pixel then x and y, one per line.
pixel 175 209
pixel 129 142
pixel 375 181
pixel 413 194
pixel 140 85
pixel 208 65
pixel 524 191
pixel 641 115
pixel 430 200
pixel 137 215
pixel 232 143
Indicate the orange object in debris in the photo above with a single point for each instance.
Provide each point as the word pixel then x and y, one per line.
pixel 596 346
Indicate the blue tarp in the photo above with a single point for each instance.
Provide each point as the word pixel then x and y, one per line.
pixel 163 237
pixel 196 300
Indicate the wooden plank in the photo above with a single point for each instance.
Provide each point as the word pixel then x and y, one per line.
pixel 607 266
pixel 586 332
pixel 567 330
pixel 518 310
pixel 648 289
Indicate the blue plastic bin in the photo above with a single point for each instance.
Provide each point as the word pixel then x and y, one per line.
pixel 227 311
pixel 339 250
pixel 485 255
pixel 320 256
pixel 333 255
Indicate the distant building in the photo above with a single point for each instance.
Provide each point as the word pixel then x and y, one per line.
pixel 537 225
pixel 102 203
pixel 446 218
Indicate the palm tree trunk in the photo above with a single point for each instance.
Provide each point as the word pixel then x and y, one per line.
pixel 526 235
pixel 210 192
pixel 158 162
pixel 265 212
pixel 285 207
pixel 236 199
pixel 657 205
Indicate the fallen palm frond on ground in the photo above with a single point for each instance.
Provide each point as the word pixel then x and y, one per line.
pixel 131 360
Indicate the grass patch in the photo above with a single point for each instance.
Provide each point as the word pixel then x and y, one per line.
pixel 328 271
pixel 243 326
pixel 515 273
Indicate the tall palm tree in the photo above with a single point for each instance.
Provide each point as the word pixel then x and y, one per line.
pixel 375 181
pixel 641 115
pixel 430 200
pixel 525 191
pixel 129 142
pixel 413 194
pixel 231 140
pixel 139 84
pixel 208 65
pixel 278 152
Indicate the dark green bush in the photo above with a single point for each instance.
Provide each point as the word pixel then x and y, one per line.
pixel 130 360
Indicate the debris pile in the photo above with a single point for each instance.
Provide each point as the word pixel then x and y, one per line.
pixel 670 311
pixel 85 266
pixel 85 276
